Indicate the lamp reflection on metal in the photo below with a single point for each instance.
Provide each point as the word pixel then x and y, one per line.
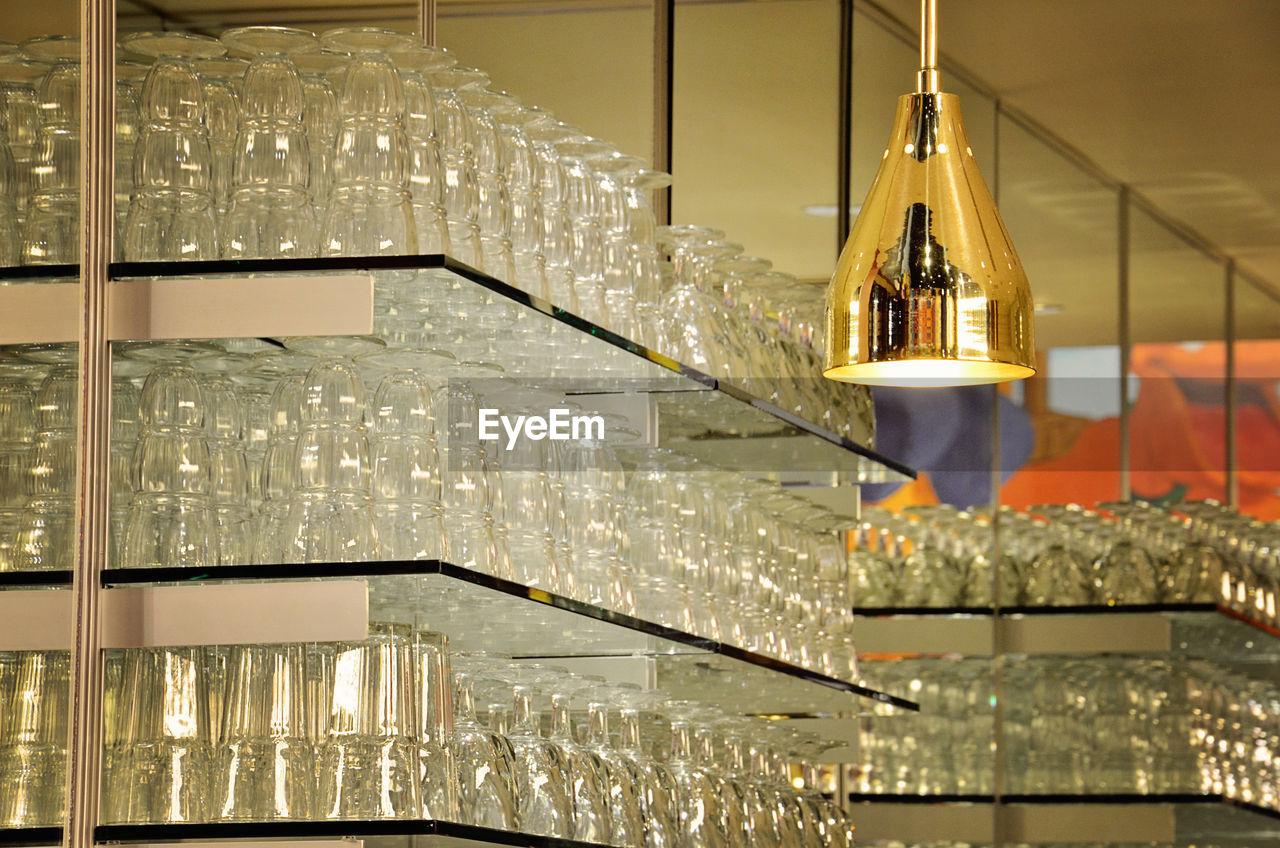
pixel 929 290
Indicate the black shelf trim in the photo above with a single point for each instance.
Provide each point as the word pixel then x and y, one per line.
pixel 309 571
pixel 136 270
pixel 328 828
pixel 30 835
pixel 68 271
pixel 19 579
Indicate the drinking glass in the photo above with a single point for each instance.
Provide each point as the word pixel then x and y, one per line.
pixel 655 786
pixel 321 118
pixel 698 800
pixel 426 175
pixel 486 773
pixel 171 520
pixel 17 441
pixel 460 185
pixel 582 204
pixel 330 511
pixel 33 738
pixel 557 226
pixel 370 209
pixel 19 78
pixel 542 799
pixel 228 462
pixel 221 79
pixel 406 471
pixel 172 214
pixel 45 539
pixel 586 775
pixel 491 177
pixel 271 213
pixel 159 769
pixel 369 762
pixel 524 193
pixel 626 807
pixel 433 702
pixel 265 762
pixel 50 234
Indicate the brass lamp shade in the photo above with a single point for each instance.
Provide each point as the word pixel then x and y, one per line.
pixel 929 290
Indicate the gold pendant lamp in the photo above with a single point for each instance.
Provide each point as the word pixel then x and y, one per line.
pixel 929 290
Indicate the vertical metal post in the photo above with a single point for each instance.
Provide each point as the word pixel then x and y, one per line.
pixel 844 111
pixel 427 21
pixel 1126 488
pixel 664 16
pixel 97 158
pixel 1233 479
pixel 1000 824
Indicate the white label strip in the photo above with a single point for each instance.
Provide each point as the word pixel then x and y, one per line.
pixel 235 613
pixel 35 313
pixel 195 309
pixel 35 620
pixel 1124 632
pixel 241 308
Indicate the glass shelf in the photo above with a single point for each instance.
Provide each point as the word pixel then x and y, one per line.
pixel 698 415
pixel 482 613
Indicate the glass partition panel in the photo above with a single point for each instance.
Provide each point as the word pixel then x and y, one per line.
pixel 1257 413
pixel 755 125
pixel 1060 435
pixel 1177 367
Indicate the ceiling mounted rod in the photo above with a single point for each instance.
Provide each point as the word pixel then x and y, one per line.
pixel 928 82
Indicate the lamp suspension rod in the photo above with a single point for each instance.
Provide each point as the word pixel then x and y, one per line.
pixel 928 82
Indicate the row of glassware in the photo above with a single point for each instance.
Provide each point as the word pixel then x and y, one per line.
pixel 1053 555
pixel 393 728
pixel 1097 726
pixel 362 142
pixel 282 456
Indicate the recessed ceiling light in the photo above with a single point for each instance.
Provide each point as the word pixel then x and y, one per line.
pixel 828 210
pixel 1048 308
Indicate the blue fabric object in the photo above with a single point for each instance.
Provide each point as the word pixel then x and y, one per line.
pixel 947 432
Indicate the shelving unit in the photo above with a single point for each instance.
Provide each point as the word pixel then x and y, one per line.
pixel 714 423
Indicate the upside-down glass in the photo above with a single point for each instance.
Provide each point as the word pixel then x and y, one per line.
pixel 172 215
pixel 426 174
pixel 370 210
pixel 271 213
pixel 51 232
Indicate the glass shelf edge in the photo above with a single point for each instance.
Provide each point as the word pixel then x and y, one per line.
pixel 113 577
pixel 132 270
